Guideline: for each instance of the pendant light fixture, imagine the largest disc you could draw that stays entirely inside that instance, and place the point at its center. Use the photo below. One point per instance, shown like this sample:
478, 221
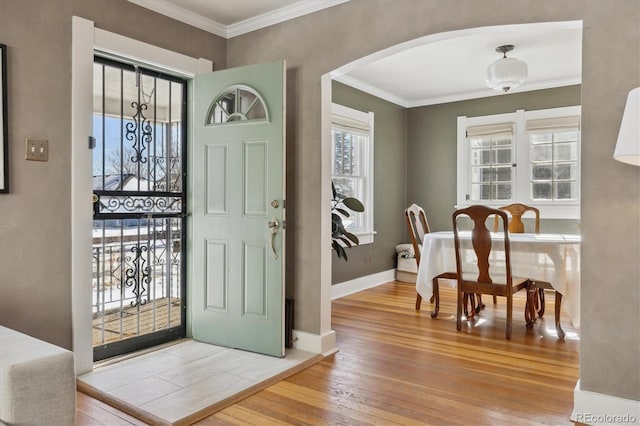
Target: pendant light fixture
506, 73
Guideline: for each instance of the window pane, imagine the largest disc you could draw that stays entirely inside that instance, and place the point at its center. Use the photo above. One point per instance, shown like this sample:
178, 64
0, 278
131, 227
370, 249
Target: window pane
503, 191
566, 171
566, 191
541, 152
480, 174
503, 156
540, 137
541, 190
480, 192
349, 187
570, 136
541, 171
565, 151
480, 156
502, 174
479, 142
346, 187
502, 141
346, 153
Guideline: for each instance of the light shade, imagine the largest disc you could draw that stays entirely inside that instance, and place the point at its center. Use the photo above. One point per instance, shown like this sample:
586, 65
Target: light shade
628, 145
506, 73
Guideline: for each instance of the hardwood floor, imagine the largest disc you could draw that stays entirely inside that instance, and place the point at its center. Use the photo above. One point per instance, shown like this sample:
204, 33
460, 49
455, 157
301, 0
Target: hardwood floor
398, 366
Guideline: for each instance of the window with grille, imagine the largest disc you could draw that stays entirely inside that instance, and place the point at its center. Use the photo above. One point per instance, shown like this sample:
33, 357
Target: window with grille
352, 165
491, 153
531, 157
553, 145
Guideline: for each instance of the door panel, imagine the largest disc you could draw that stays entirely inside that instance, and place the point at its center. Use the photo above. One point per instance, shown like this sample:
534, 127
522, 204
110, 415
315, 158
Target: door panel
238, 170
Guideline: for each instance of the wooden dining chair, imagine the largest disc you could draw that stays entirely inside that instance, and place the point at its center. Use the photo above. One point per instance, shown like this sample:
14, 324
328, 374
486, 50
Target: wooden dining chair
516, 225
418, 226
484, 283
517, 210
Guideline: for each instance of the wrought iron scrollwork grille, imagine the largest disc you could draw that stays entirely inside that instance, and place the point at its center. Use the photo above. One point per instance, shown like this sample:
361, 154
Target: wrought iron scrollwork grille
139, 207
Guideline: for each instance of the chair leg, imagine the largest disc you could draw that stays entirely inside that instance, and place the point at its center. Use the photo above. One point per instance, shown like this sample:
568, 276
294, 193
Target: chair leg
418, 301
480, 305
541, 300
495, 299
436, 297
469, 298
559, 329
509, 314
530, 308
459, 310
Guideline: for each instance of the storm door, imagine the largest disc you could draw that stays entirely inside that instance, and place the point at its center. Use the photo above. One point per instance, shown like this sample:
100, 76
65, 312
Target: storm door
139, 187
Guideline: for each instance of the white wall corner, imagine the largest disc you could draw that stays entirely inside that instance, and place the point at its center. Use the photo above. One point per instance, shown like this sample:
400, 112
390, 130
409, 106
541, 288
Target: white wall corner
324, 344
594, 408
353, 286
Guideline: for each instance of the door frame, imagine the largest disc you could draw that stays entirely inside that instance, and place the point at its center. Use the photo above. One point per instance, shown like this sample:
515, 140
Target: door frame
86, 39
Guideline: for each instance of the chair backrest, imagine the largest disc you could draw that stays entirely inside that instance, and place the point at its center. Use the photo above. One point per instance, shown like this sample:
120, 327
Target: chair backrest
418, 226
516, 210
481, 240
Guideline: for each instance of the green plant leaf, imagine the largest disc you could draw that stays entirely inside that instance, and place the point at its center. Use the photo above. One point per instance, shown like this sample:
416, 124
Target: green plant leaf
339, 250
343, 212
352, 237
346, 241
353, 204
333, 190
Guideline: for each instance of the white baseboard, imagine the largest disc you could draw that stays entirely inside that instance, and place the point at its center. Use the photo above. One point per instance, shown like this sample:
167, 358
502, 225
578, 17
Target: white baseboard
362, 283
594, 408
318, 344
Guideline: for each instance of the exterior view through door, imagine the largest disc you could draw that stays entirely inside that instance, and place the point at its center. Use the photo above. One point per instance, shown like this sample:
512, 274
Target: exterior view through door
237, 222
139, 190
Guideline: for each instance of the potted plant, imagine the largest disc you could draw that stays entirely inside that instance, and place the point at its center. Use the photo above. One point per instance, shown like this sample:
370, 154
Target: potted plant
340, 206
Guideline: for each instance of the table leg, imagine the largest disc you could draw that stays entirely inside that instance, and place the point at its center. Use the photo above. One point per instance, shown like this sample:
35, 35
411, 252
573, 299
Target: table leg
559, 329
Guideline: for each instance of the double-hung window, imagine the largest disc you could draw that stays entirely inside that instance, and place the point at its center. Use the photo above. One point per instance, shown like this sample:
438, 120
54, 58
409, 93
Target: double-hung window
530, 157
352, 165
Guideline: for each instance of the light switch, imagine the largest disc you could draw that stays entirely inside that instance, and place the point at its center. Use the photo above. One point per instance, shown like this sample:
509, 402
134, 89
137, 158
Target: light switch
37, 150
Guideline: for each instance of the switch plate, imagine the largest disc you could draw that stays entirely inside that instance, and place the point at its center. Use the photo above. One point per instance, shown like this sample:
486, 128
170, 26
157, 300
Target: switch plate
37, 150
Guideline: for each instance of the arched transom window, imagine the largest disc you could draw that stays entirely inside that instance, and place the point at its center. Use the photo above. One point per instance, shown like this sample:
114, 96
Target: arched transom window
237, 103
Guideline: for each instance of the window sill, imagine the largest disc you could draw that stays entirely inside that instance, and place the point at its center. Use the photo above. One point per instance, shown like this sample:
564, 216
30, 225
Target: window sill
363, 237
547, 211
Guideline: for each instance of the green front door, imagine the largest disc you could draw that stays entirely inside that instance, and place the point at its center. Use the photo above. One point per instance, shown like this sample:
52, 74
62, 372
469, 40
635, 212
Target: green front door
236, 226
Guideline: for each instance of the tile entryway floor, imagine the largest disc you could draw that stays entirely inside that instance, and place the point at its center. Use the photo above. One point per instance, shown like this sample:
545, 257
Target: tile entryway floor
182, 383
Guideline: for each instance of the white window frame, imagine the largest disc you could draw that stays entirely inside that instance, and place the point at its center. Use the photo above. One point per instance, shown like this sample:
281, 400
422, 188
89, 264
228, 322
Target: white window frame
364, 122
551, 209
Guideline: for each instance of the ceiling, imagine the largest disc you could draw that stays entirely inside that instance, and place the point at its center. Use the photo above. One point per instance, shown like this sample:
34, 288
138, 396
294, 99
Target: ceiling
435, 69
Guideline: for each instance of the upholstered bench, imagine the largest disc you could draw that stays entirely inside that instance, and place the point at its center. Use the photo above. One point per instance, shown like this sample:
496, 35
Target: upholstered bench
37, 381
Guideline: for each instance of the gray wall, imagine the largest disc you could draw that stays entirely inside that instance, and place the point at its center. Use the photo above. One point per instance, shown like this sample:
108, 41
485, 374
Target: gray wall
35, 287
35, 226
432, 141
318, 43
389, 186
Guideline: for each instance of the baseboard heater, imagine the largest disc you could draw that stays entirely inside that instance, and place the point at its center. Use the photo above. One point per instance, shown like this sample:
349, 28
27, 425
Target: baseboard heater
288, 323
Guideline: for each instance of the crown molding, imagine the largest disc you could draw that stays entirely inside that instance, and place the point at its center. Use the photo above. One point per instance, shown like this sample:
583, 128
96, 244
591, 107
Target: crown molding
372, 90
183, 15
456, 97
277, 16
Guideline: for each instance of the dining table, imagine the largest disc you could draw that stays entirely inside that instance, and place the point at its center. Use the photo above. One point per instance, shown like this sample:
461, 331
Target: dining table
554, 258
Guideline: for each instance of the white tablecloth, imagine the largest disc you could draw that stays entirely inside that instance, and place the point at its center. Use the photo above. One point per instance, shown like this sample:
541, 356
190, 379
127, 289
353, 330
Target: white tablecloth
544, 257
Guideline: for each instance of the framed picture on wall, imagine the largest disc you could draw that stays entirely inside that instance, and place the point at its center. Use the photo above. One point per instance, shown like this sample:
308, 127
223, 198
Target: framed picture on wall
4, 160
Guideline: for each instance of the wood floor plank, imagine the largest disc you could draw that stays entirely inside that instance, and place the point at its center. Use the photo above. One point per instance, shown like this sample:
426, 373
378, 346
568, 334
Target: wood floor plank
396, 365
